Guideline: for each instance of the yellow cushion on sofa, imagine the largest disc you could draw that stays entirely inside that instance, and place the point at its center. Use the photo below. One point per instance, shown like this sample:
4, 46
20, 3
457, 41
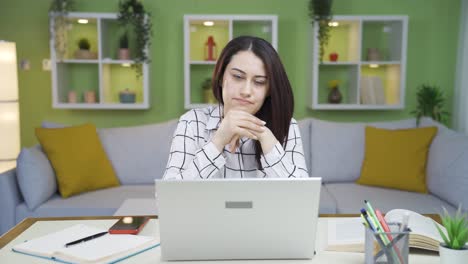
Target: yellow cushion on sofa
397, 158
78, 158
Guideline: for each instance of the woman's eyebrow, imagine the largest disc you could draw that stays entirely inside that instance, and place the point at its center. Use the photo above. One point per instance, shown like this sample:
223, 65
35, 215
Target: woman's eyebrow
239, 70
243, 72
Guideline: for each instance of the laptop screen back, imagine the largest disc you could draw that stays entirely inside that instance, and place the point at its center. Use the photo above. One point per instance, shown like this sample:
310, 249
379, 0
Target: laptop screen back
238, 218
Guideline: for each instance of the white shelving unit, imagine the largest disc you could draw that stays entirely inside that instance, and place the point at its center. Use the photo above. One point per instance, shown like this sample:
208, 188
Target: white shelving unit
224, 28
106, 75
377, 83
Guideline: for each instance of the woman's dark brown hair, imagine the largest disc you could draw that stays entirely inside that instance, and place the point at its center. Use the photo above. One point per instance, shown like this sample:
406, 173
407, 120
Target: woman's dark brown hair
277, 109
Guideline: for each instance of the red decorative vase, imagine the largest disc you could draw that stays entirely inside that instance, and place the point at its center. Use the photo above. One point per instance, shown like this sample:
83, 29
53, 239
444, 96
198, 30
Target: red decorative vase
210, 49
333, 56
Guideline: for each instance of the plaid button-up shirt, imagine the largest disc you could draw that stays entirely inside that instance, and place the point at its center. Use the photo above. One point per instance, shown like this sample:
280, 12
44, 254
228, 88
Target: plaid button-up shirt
193, 155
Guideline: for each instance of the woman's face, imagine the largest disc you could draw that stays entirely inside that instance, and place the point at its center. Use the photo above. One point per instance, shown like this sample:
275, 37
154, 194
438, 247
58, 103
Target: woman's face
245, 83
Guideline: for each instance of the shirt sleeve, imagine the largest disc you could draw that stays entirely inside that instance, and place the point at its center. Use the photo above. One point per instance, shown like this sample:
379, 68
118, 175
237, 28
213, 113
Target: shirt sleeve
288, 161
190, 157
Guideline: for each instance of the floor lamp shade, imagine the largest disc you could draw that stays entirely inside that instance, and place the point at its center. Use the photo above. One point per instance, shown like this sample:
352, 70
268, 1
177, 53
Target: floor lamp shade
9, 106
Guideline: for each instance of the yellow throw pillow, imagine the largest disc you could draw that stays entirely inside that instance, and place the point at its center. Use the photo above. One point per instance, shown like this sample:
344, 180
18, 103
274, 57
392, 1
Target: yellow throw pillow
78, 158
397, 158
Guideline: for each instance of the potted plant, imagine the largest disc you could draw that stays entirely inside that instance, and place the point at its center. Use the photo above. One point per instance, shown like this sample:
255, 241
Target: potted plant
58, 11
320, 12
133, 16
208, 92
454, 249
83, 51
431, 103
124, 52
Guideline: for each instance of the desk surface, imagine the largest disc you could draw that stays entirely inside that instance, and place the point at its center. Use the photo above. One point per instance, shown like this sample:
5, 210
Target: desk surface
34, 227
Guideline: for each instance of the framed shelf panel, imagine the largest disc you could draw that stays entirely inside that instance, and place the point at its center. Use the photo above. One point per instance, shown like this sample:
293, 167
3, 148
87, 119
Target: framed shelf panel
76, 32
347, 74
117, 78
370, 64
224, 28
344, 41
385, 36
385, 81
198, 74
102, 72
77, 77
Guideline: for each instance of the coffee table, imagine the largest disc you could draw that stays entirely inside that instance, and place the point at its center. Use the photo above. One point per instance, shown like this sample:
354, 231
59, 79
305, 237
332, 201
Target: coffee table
34, 227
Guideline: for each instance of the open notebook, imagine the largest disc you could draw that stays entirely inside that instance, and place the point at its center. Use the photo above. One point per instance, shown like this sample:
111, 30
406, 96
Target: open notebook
105, 249
347, 234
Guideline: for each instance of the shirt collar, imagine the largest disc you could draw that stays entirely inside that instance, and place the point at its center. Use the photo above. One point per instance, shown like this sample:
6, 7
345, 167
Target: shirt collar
214, 118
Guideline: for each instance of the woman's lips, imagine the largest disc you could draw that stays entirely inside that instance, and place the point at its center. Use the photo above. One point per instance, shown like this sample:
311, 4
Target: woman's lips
242, 101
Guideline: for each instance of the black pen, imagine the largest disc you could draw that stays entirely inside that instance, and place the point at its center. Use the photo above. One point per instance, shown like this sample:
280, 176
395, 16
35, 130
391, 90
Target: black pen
85, 239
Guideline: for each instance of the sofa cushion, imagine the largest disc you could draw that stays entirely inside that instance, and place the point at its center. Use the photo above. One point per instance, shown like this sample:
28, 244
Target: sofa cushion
95, 203
350, 199
78, 159
397, 158
447, 168
139, 154
337, 148
36, 177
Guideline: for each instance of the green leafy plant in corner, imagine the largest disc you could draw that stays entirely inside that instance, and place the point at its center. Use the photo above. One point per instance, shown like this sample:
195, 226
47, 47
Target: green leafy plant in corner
58, 11
133, 16
83, 44
431, 103
457, 229
320, 12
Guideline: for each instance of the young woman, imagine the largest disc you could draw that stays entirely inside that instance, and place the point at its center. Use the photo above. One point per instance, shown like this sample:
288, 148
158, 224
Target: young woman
251, 132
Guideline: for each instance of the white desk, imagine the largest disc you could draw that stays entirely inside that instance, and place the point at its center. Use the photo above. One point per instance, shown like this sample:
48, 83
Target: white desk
41, 228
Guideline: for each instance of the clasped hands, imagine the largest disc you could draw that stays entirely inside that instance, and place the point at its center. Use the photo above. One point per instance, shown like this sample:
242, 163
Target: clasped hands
237, 124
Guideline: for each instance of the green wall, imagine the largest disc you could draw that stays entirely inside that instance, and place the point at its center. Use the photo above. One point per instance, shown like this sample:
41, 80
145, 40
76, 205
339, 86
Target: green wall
431, 56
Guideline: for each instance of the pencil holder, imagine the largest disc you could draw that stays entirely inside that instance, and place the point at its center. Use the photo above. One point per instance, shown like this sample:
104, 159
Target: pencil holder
387, 247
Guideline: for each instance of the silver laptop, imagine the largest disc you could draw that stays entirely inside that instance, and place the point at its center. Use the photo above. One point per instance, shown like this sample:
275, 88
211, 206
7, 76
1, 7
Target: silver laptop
238, 218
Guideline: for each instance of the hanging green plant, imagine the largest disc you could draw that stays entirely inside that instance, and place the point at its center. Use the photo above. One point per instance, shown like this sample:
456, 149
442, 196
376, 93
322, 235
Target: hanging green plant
133, 16
58, 10
430, 102
320, 12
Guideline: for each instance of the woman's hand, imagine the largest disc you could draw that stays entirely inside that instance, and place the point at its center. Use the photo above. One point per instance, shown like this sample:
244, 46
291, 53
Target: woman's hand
237, 124
267, 139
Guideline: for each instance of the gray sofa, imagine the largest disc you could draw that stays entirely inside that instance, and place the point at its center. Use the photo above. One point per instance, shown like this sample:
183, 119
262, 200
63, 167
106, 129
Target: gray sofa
333, 150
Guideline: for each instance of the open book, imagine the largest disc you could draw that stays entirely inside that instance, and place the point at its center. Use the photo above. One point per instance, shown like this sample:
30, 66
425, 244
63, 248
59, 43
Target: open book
104, 249
348, 234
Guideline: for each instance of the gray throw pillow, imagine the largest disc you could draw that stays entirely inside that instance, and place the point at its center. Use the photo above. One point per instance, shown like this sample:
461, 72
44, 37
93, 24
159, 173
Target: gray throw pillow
337, 148
138, 153
447, 166
36, 177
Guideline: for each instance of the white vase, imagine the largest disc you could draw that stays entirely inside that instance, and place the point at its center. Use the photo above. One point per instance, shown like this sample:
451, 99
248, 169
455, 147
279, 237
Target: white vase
453, 256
